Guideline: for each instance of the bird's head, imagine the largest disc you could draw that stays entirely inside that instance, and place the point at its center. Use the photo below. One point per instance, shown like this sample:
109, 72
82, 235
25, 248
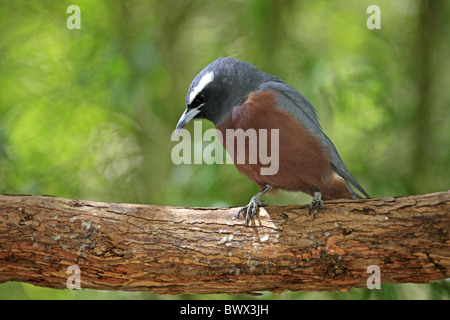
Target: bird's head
217, 89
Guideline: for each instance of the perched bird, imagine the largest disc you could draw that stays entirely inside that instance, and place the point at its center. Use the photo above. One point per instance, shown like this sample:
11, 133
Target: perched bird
236, 95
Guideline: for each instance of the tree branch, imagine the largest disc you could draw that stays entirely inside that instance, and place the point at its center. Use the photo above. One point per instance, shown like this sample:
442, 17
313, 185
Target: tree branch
171, 250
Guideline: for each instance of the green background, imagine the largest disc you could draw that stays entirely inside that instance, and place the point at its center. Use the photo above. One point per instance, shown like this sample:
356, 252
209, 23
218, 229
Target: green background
89, 113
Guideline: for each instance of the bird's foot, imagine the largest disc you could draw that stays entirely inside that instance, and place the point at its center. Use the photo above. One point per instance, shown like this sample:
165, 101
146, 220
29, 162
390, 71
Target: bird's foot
251, 209
316, 204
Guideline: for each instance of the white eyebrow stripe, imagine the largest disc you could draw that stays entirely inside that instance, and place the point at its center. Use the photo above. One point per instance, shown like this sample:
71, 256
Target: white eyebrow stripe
207, 78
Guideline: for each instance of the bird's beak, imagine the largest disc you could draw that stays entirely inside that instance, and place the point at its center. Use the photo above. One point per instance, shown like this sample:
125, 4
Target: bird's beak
187, 116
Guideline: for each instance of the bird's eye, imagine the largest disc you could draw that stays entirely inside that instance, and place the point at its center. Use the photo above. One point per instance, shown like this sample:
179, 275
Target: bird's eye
200, 98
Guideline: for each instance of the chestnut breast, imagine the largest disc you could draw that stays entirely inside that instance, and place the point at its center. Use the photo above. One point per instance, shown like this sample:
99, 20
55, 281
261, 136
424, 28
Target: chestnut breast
304, 162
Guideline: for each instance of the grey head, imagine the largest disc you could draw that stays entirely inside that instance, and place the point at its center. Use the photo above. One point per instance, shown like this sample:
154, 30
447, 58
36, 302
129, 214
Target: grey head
218, 88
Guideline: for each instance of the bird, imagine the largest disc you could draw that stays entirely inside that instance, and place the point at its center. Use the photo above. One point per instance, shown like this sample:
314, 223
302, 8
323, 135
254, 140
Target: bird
235, 94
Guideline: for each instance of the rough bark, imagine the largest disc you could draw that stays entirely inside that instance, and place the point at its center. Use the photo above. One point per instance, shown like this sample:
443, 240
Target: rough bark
172, 250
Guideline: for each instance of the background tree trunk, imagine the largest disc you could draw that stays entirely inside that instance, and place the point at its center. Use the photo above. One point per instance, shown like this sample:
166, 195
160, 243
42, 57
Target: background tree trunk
172, 250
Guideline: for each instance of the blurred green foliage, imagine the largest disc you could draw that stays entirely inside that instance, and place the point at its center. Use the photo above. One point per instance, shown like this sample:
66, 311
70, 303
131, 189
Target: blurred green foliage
89, 113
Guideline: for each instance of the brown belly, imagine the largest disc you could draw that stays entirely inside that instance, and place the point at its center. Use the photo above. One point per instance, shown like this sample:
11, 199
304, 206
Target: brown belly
303, 161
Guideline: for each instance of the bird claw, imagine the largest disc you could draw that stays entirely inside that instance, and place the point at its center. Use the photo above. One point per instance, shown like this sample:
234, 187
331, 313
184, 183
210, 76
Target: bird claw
316, 204
251, 209
255, 202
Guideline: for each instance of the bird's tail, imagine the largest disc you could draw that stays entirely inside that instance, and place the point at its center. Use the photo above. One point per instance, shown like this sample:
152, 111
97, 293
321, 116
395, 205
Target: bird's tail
356, 195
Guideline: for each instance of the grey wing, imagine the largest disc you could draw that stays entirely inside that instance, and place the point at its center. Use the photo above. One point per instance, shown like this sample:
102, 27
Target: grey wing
294, 102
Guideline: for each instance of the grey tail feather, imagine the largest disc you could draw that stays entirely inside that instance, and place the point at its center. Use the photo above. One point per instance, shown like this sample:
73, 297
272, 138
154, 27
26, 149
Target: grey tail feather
360, 189
349, 178
353, 193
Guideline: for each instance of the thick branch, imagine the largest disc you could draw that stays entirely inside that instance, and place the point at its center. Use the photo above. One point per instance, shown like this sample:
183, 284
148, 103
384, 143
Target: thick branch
171, 250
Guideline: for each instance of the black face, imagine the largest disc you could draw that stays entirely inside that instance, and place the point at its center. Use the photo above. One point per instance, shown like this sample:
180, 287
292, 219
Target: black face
200, 103
207, 103
198, 100
197, 108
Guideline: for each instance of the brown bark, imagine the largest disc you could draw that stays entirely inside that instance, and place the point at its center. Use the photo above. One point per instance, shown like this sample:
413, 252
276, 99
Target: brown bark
171, 250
